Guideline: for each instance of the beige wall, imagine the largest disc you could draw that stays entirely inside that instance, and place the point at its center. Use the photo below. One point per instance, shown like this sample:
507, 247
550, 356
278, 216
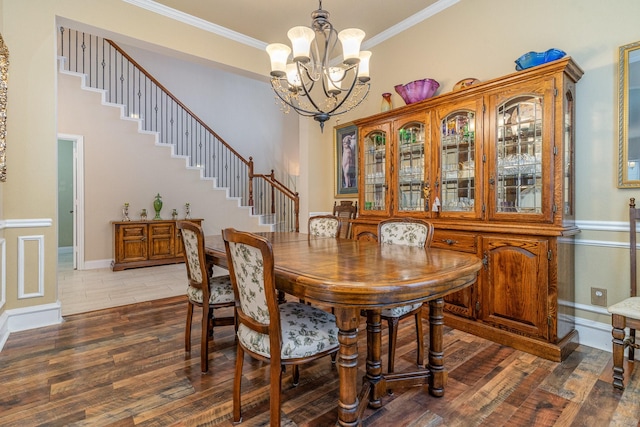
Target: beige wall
474, 38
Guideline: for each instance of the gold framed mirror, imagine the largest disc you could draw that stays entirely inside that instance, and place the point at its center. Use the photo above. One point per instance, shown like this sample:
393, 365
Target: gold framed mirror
629, 115
4, 71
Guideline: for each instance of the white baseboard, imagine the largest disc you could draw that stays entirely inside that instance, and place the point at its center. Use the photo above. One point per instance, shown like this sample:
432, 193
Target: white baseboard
4, 329
98, 264
594, 334
22, 319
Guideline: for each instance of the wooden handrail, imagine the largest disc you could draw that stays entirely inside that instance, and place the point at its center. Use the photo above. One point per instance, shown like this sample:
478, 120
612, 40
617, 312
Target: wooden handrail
276, 183
287, 192
176, 100
128, 83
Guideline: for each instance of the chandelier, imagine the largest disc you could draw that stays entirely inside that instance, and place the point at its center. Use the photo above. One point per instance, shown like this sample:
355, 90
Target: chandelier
314, 83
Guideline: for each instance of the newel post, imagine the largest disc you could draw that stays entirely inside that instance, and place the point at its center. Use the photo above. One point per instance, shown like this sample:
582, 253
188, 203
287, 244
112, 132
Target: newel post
251, 184
273, 193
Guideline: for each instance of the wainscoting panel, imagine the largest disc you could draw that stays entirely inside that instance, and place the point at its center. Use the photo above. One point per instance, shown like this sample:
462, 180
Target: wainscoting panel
30, 253
3, 272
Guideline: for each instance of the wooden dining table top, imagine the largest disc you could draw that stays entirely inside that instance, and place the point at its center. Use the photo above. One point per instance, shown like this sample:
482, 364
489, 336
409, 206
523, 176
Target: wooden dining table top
352, 275
364, 274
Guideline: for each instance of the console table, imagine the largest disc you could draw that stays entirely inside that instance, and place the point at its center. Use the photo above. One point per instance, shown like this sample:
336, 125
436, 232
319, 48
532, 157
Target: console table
147, 243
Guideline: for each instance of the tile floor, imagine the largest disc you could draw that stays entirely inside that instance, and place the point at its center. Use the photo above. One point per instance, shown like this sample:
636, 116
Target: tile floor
90, 290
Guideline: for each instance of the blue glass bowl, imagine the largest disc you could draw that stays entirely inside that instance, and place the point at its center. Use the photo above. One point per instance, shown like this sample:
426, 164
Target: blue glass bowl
532, 59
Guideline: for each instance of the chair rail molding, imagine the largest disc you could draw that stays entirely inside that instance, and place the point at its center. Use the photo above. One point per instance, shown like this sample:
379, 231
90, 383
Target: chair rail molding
26, 223
603, 225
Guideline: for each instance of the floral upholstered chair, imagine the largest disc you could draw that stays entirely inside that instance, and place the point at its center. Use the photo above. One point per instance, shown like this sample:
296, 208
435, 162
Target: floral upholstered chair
324, 226
203, 290
408, 232
281, 334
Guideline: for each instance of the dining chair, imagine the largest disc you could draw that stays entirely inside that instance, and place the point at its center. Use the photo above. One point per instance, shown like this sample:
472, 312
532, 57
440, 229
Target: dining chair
324, 226
408, 232
345, 211
626, 313
291, 333
203, 290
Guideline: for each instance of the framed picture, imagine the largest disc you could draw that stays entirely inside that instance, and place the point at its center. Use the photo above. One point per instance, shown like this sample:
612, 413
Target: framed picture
346, 160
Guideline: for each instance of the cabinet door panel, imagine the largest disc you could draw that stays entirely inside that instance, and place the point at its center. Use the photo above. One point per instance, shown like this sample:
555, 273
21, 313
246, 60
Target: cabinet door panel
520, 162
458, 156
411, 165
515, 285
462, 302
374, 178
162, 240
131, 243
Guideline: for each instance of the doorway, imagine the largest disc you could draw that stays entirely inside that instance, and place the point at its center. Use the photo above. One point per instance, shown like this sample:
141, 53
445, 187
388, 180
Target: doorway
71, 201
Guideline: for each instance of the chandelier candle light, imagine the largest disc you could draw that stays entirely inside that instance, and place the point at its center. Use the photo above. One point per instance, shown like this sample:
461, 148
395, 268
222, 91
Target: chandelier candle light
340, 86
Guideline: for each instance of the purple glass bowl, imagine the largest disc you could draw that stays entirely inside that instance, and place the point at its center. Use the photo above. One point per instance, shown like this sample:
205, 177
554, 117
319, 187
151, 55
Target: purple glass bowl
417, 90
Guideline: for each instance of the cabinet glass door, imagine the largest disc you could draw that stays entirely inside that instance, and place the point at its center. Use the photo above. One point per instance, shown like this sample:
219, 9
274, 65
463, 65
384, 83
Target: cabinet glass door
411, 161
458, 162
518, 178
569, 157
375, 171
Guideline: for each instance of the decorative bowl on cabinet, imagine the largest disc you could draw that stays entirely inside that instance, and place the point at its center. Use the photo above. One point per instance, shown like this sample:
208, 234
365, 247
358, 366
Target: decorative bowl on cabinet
531, 59
465, 83
417, 90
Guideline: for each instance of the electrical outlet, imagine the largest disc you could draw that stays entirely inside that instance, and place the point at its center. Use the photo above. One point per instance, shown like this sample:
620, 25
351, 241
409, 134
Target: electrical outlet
599, 297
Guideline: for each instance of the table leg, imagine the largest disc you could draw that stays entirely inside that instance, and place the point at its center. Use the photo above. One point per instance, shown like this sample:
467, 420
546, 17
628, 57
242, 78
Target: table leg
347, 320
438, 377
374, 357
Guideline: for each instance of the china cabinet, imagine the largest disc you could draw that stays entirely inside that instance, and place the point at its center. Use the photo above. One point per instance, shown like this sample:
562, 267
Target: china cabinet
147, 243
492, 167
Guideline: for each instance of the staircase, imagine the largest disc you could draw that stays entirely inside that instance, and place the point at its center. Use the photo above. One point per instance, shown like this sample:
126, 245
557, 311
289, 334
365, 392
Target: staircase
107, 67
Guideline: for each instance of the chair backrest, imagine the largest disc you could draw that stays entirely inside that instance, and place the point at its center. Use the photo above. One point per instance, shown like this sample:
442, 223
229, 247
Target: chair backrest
251, 267
405, 231
345, 211
324, 226
634, 216
194, 256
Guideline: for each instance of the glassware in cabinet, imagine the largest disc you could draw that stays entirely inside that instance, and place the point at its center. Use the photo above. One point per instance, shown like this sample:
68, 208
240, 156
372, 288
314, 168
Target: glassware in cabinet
519, 130
375, 170
457, 157
411, 185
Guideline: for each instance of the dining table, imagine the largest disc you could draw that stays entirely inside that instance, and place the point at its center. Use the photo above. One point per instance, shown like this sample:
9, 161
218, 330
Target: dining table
355, 277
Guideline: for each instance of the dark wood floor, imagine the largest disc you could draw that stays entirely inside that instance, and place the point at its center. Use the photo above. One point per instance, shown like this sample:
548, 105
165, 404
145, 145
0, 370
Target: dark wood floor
127, 366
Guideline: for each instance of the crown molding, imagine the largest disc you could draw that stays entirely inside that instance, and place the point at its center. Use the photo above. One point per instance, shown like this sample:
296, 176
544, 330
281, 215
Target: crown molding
414, 19
185, 18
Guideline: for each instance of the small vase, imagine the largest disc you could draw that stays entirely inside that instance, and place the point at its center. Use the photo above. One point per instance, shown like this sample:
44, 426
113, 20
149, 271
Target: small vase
174, 214
157, 205
386, 102
125, 212
143, 215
